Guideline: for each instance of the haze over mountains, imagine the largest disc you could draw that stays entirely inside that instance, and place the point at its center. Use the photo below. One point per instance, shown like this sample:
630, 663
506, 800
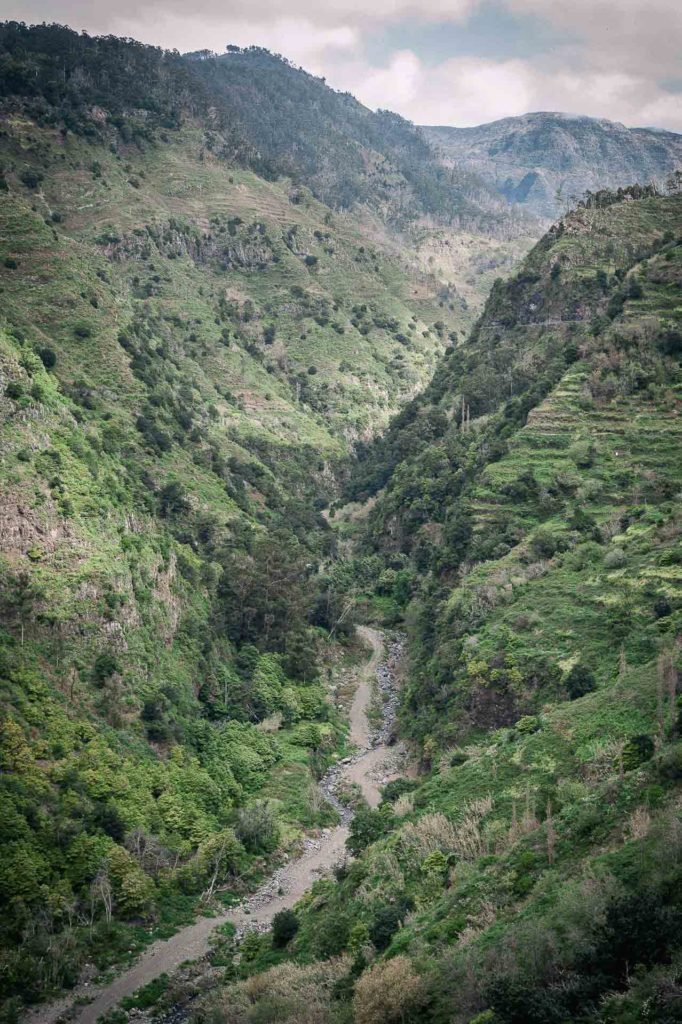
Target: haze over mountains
546, 161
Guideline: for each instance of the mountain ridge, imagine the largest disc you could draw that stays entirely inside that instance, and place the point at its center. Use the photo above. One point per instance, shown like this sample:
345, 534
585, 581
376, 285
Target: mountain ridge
544, 161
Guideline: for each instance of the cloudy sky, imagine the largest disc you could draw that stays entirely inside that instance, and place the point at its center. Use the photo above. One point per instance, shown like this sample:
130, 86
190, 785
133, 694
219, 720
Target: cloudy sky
458, 62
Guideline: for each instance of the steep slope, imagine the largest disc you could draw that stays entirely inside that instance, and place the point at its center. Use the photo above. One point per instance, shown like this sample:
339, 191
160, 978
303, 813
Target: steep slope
532, 873
186, 352
544, 162
347, 154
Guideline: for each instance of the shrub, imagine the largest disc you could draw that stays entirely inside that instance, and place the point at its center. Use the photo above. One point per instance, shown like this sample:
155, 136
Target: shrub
367, 826
615, 559
332, 934
670, 766
31, 179
106, 664
527, 725
14, 390
10, 263
48, 357
257, 828
579, 681
637, 750
396, 788
386, 923
386, 993
662, 608
285, 924
543, 544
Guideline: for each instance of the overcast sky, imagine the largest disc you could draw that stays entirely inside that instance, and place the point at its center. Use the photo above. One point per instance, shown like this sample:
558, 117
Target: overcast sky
459, 62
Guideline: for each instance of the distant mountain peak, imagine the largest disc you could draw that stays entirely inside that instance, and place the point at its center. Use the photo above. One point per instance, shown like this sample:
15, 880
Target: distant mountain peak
544, 159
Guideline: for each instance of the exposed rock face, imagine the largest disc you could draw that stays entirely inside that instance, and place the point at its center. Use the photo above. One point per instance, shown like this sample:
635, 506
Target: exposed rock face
545, 161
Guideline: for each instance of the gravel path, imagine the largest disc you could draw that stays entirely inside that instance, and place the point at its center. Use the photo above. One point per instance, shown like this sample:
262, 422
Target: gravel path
369, 768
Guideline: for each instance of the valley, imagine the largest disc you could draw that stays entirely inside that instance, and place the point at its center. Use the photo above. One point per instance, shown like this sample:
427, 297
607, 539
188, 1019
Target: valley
363, 769
328, 448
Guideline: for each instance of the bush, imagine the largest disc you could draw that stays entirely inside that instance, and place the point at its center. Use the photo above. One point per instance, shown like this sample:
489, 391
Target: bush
367, 826
10, 263
662, 608
386, 923
637, 751
615, 559
106, 664
386, 993
527, 725
543, 544
670, 766
31, 179
257, 828
579, 681
48, 357
396, 788
285, 924
332, 934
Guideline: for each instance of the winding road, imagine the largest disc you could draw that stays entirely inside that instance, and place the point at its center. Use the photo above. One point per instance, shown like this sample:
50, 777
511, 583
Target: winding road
193, 942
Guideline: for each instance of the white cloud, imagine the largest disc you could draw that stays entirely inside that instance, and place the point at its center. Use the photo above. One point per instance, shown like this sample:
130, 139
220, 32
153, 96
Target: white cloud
639, 36
468, 91
298, 39
99, 14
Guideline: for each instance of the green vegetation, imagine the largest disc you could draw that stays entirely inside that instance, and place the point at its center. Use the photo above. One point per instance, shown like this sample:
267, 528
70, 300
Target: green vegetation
191, 345
166, 452
528, 502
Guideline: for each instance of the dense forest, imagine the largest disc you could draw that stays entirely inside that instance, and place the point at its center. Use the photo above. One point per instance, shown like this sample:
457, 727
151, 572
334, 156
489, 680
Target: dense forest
237, 420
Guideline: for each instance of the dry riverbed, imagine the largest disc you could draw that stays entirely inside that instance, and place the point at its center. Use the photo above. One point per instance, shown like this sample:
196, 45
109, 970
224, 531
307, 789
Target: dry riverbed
374, 764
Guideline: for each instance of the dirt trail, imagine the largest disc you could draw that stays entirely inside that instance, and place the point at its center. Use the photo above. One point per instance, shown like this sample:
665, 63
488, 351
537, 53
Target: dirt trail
293, 879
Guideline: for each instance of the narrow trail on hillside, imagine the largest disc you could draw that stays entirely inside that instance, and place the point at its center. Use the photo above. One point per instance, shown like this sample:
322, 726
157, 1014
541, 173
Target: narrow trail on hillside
369, 769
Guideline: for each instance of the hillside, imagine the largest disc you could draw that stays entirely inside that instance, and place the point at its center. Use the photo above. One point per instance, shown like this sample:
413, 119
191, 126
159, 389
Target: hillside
531, 872
187, 351
243, 408
348, 155
545, 162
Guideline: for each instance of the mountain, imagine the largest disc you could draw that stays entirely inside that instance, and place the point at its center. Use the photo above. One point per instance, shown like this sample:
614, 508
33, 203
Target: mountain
214, 332
524, 524
188, 350
348, 155
545, 162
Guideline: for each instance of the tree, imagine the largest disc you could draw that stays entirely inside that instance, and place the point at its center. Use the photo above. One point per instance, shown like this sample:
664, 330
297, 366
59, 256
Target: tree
19, 599
133, 891
285, 924
100, 893
579, 681
257, 828
264, 596
219, 857
367, 826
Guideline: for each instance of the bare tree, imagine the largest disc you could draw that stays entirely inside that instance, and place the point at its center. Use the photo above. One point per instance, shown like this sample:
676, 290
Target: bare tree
100, 892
